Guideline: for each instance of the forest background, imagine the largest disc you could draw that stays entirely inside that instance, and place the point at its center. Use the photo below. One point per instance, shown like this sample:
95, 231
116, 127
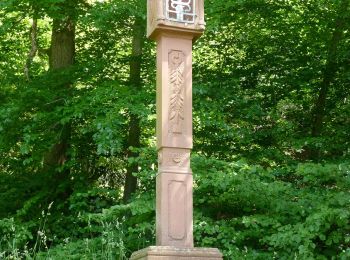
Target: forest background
271, 156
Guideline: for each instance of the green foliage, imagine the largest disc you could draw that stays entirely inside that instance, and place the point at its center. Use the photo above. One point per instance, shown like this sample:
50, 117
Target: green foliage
109, 245
245, 210
259, 68
248, 211
114, 233
265, 186
13, 237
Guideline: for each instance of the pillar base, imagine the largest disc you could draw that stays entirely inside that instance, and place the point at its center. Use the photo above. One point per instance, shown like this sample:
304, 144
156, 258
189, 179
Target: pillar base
175, 253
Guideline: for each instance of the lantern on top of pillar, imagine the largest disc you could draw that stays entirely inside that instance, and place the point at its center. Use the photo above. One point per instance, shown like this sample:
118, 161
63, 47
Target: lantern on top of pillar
175, 15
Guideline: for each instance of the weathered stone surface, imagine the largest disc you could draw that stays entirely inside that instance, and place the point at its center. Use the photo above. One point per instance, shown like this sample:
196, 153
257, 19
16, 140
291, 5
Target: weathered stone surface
174, 210
174, 253
174, 91
174, 141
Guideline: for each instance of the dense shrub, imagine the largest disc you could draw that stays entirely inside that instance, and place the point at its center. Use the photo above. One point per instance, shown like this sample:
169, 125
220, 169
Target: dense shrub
246, 211
298, 212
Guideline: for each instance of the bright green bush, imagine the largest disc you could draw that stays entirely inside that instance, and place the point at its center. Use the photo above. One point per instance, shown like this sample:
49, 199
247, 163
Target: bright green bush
248, 211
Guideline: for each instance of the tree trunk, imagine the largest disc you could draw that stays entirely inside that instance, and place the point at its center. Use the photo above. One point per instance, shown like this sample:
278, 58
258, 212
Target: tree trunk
134, 123
62, 48
329, 71
329, 74
61, 56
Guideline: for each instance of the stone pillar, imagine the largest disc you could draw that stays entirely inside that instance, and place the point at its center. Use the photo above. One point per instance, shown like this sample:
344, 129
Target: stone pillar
174, 140
175, 25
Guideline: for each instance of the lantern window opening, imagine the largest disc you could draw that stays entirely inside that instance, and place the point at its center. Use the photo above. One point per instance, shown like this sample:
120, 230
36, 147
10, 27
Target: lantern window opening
182, 11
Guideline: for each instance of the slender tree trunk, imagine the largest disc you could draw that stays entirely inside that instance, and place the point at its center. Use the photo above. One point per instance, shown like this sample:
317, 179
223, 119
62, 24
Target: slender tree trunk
329, 73
61, 56
134, 123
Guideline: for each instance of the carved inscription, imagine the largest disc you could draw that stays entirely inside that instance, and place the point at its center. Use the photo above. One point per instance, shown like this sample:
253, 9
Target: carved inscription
177, 96
177, 212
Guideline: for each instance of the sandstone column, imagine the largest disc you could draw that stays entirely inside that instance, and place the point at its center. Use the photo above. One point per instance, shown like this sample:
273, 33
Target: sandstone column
174, 140
175, 25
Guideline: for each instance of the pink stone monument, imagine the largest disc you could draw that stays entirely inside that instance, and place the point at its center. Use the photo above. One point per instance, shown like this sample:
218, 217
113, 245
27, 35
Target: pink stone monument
175, 25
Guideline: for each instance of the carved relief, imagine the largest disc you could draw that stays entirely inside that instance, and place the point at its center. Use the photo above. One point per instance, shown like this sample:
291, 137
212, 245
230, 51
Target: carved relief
177, 96
174, 158
177, 159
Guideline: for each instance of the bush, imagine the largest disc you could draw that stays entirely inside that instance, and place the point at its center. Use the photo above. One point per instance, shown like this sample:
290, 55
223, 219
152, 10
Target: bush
247, 211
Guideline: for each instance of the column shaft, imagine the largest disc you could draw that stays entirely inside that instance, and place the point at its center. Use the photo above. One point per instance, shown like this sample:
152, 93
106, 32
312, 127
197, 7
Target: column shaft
174, 141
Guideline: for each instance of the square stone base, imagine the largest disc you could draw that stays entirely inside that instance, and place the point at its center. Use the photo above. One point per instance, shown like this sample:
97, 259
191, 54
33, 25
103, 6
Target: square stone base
175, 253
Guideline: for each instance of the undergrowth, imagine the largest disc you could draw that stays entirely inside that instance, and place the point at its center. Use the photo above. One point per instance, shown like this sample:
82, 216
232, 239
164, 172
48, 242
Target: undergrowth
247, 211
